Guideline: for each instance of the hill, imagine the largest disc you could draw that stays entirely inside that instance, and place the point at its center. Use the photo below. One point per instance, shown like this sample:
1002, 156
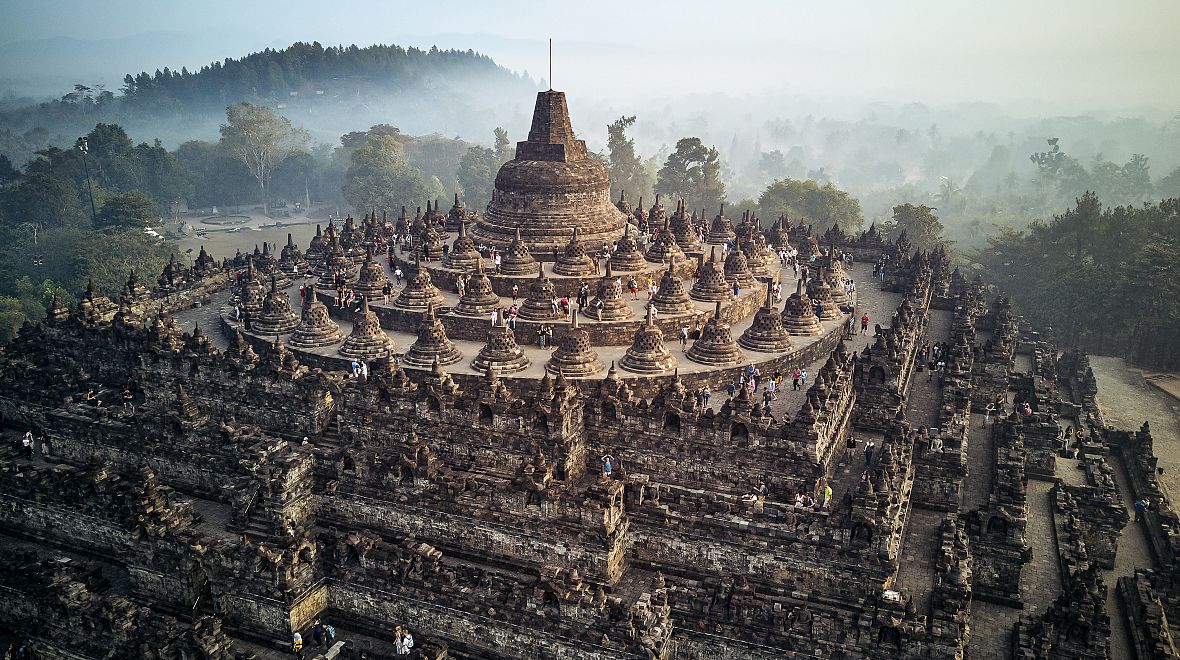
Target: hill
326, 90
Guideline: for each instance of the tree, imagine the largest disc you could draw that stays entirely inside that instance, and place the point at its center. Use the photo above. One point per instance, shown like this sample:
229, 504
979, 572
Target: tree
692, 172
626, 168
379, 177
131, 210
42, 200
8, 173
1169, 186
107, 257
503, 146
477, 175
807, 201
259, 138
772, 164
919, 223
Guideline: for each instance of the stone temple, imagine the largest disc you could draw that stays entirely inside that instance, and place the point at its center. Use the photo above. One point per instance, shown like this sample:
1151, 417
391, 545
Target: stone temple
208, 480
552, 187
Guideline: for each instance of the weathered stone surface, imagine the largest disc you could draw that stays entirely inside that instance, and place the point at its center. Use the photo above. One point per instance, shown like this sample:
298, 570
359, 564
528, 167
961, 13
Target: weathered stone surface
766, 334
367, 341
371, 280
551, 186
433, 346
276, 316
670, 297
478, 299
500, 354
316, 328
798, 315
716, 346
574, 356
419, 293
608, 303
647, 354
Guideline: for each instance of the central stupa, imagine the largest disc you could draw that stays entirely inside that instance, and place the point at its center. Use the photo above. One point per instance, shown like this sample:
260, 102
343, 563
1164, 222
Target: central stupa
550, 188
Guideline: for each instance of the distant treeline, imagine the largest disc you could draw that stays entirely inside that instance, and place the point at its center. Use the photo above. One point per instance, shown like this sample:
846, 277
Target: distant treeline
330, 88
1104, 279
302, 68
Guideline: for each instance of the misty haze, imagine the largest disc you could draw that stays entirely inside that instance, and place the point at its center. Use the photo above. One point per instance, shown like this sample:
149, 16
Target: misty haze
589, 330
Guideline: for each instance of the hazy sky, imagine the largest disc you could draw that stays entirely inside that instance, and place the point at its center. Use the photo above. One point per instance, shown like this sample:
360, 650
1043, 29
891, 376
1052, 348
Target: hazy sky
1093, 54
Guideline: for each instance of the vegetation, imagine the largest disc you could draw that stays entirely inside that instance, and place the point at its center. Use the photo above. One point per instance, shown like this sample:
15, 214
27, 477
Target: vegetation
380, 178
809, 202
260, 139
1104, 279
627, 171
693, 173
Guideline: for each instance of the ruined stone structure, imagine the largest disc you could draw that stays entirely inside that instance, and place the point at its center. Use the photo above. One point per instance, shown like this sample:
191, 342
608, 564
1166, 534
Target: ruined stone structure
503, 501
552, 186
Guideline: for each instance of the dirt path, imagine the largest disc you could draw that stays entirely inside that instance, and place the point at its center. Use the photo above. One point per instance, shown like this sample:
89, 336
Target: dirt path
1127, 400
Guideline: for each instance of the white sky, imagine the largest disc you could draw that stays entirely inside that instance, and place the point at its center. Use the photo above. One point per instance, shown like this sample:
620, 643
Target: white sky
1095, 54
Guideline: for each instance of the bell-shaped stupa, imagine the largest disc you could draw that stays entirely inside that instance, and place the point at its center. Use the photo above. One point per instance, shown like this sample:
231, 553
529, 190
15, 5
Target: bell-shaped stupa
432, 346
716, 347
574, 356
647, 354
367, 341
501, 353
766, 333
552, 185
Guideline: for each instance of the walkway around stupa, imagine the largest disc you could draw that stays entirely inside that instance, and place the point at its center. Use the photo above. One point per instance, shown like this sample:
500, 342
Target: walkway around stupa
806, 351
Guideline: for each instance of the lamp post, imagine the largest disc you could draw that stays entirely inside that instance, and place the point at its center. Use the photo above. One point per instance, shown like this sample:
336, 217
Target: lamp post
83, 145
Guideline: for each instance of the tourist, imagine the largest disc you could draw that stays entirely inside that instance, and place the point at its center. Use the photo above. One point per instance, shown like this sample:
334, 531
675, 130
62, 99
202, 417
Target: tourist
355, 368
515, 293
1140, 508
512, 312
633, 287
397, 275
329, 635
827, 496
26, 445
737, 290
495, 316
850, 445
607, 462
297, 646
583, 295
987, 413
386, 290
92, 398
683, 337
403, 641
317, 634
763, 491
655, 311
497, 262
598, 309
864, 324
773, 387
731, 389
541, 336
796, 377
705, 394
869, 453
803, 377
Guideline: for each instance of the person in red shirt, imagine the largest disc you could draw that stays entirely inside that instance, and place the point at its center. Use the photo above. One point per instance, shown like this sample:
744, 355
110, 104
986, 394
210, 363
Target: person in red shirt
864, 324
